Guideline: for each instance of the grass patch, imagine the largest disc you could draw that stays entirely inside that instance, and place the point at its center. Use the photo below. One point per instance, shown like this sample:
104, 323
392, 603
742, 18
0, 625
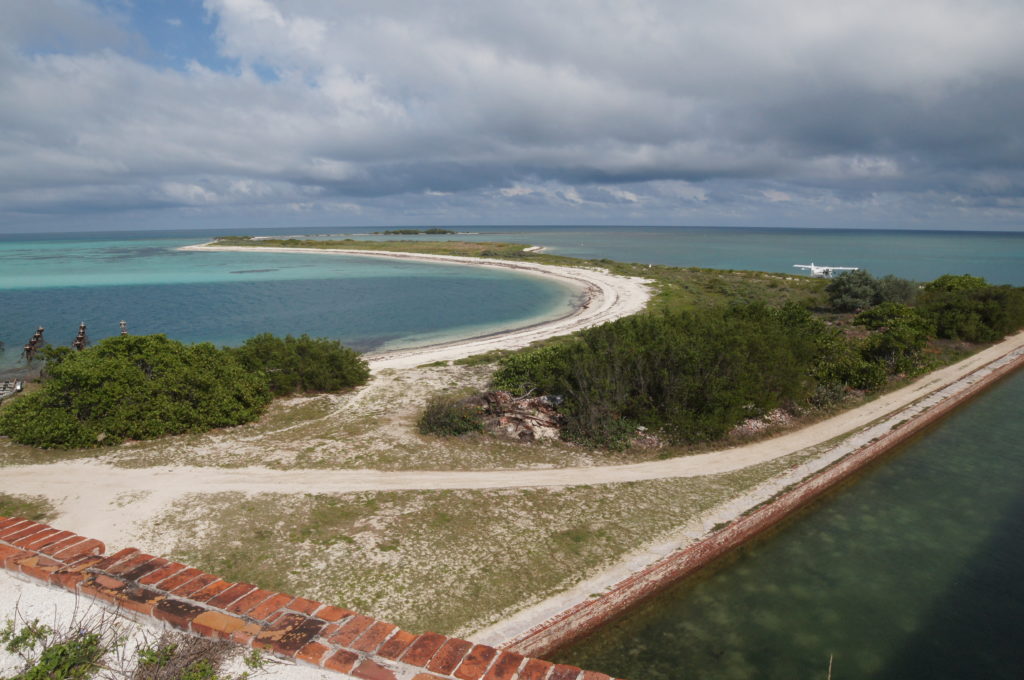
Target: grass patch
35, 508
449, 561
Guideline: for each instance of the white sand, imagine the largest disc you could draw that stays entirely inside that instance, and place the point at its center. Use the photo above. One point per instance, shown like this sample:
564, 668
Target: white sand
606, 297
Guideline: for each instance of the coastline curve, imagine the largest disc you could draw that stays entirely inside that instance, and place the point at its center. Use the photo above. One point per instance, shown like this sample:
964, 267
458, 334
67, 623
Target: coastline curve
606, 297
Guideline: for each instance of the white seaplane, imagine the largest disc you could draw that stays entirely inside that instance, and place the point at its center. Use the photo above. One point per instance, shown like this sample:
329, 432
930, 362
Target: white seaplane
821, 271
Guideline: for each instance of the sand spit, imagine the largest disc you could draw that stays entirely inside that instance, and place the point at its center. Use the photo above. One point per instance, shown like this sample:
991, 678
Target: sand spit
604, 297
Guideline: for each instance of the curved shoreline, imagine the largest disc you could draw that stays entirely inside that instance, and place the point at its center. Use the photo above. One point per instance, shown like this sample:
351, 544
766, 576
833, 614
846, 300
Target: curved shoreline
606, 297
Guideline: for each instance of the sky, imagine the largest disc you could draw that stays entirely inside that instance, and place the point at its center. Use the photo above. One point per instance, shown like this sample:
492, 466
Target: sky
173, 114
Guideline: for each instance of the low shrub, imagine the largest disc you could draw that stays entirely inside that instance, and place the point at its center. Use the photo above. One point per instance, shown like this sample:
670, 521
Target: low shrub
449, 416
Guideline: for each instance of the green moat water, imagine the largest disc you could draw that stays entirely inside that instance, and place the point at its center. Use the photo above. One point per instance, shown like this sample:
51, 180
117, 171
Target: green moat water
913, 571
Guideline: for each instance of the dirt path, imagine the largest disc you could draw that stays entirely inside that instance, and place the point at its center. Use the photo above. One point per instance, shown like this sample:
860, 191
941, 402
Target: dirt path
606, 297
93, 497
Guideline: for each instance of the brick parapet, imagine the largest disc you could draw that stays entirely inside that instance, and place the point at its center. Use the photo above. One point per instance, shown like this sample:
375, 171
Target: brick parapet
157, 590
582, 618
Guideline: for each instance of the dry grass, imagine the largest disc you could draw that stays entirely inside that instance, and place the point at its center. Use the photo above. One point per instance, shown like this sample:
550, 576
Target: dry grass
449, 561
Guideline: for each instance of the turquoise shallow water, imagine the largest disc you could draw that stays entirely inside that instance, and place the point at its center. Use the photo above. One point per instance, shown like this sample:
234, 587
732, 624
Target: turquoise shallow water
912, 572
368, 303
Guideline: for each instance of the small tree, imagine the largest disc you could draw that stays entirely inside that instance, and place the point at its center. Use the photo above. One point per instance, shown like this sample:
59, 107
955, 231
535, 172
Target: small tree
853, 291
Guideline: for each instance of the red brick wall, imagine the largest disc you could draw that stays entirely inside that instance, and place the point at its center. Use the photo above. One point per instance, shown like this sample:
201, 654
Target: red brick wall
181, 597
575, 622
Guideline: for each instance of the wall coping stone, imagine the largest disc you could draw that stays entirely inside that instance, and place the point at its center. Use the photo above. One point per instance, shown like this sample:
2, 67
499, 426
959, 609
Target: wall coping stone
157, 591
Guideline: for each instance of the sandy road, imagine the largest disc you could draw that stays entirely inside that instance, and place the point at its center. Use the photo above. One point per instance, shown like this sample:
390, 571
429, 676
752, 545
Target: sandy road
87, 492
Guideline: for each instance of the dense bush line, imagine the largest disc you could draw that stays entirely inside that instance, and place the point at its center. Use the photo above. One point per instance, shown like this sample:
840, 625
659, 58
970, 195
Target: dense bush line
302, 364
958, 307
693, 375
135, 387
147, 386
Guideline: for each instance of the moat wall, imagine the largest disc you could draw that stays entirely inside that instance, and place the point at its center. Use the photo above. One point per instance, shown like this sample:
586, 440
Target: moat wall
577, 621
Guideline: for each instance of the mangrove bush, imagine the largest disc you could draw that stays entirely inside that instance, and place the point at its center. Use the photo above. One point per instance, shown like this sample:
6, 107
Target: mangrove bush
691, 376
302, 364
135, 387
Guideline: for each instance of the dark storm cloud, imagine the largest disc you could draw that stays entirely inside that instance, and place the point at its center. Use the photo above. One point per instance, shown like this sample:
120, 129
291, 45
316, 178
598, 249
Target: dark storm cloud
401, 110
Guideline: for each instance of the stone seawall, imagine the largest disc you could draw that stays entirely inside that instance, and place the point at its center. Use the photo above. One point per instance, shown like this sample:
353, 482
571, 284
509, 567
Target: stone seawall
584, 617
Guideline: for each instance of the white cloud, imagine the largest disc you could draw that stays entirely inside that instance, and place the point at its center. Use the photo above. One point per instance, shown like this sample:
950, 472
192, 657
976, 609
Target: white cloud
638, 109
776, 196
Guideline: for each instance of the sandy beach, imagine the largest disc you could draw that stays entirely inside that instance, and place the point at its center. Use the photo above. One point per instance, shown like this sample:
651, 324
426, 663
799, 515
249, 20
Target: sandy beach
604, 297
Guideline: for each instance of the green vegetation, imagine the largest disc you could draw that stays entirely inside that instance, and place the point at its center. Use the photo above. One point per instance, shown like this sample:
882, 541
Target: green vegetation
35, 508
70, 656
135, 387
694, 372
302, 364
82, 647
852, 291
415, 232
969, 308
460, 248
448, 415
690, 376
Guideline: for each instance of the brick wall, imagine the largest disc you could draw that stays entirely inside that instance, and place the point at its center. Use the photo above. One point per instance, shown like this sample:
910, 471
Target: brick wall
181, 597
582, 618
